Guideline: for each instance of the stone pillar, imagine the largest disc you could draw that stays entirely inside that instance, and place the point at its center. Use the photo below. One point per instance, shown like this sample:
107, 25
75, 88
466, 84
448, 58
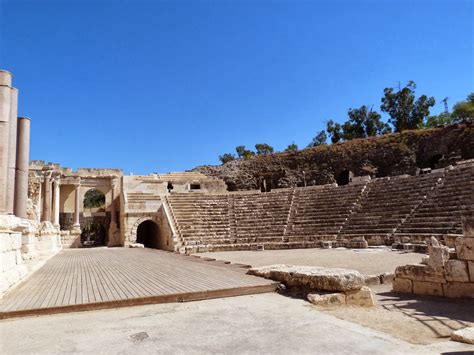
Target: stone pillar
5, 103
113, 221
22, 167
77, 207
56, 199
12, 150
47, 197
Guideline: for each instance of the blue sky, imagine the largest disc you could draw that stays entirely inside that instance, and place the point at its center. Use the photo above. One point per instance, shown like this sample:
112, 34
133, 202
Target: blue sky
168, 85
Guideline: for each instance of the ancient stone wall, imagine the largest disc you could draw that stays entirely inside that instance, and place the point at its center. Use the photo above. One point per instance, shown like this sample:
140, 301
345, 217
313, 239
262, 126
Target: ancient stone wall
445, 272
389, 155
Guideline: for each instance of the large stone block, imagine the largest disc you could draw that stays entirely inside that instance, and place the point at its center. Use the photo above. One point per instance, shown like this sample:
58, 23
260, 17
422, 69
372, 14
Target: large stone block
438, 256
427, 288
456, 270
465, 248
402, 285
468, 226
420, 272
327, 299
465, 335
363, 297
312, 277
459, 289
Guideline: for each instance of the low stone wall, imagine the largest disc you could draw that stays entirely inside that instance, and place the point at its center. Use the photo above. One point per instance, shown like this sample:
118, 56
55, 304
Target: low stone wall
12, 268
445, 272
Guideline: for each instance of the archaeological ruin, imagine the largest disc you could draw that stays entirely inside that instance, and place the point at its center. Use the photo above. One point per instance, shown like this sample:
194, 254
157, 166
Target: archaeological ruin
407, 196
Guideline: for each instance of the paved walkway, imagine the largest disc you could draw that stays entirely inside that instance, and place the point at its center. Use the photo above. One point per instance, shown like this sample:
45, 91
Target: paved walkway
256, 324
84, 279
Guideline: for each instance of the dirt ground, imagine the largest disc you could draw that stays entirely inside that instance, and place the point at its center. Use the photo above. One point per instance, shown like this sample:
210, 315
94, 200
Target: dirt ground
412, 318
372, 261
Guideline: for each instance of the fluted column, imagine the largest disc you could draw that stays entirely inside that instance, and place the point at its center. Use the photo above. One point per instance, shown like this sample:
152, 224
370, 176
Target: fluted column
5, 104
77, 206
22, 167
47, 197
56, 200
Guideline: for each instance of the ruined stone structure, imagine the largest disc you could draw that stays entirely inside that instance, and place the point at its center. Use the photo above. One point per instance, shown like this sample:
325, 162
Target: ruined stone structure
447, 272
384, 156
43, 205
15, 229
399, 210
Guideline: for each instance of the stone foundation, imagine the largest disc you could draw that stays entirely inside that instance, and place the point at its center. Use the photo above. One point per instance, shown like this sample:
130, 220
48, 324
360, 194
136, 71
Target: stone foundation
12, 268
445, 272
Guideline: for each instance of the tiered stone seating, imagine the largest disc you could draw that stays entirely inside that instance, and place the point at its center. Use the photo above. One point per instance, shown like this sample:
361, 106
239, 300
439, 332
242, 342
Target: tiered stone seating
385, 204
201, 220
261, 218
441, 213
319, 212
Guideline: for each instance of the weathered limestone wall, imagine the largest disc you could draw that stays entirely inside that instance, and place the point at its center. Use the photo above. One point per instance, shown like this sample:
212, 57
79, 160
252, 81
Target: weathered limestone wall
12, 268
445, 272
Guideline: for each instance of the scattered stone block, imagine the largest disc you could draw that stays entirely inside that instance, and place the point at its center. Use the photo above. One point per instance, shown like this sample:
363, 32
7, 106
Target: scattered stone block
459, 289
465, 248
312, 277
372, 280
327, 299
402, 285
456, 270
465, 335
363, 297
427, 288
136, 245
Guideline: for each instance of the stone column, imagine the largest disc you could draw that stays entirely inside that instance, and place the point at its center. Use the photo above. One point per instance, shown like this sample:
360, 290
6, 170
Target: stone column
47, 197
113, 221
77, 207
22, 167
12, 150
5, 103
56, 200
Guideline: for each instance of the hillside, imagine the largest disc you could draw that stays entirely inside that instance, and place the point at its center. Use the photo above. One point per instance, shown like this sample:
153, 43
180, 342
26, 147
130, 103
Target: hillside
388, 155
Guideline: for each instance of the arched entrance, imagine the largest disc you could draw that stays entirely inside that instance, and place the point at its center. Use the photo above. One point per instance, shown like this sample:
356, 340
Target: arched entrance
148, 234
94, 219
344, 177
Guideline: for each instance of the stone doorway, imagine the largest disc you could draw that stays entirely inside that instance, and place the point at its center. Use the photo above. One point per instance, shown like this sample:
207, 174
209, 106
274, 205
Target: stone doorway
148, 234
94, 222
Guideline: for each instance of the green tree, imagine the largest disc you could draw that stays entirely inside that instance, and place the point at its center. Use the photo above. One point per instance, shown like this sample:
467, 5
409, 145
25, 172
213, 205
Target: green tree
364, 122
93, 199
227, 157
319, 139
263, 148
243, 153
334, 130
464, 109
443, 119
292, 147
406, 112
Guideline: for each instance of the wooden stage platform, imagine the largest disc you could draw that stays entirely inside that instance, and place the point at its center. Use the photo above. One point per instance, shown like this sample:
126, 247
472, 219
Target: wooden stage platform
86, 279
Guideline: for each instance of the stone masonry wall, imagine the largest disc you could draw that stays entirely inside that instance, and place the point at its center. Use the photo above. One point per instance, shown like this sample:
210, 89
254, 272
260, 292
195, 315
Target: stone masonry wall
12, 268
445, 272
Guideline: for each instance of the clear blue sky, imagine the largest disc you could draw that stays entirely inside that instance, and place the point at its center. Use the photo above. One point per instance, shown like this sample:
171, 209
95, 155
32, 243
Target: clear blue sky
169, 85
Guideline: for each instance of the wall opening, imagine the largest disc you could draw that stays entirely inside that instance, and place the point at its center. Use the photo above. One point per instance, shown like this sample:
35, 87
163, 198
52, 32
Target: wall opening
195, 186
94, 221
433, 163
170, 186
344, 178
148, 234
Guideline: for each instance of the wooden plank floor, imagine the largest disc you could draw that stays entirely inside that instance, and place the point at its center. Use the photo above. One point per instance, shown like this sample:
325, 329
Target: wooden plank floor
84, 279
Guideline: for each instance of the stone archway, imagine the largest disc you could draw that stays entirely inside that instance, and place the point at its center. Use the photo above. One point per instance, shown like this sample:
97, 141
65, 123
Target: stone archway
94, 222
148, 234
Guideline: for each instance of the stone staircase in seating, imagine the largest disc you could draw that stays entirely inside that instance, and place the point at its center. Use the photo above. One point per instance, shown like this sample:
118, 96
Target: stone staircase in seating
440, 214
386, 203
